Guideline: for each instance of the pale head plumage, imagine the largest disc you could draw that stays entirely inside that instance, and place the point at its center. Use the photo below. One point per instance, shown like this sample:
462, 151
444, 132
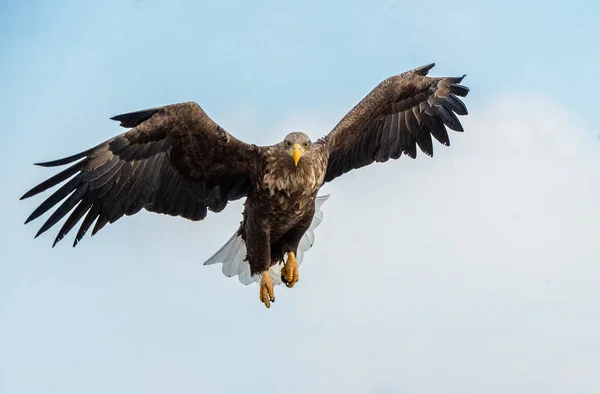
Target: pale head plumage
294, 165
296, 137
296, 144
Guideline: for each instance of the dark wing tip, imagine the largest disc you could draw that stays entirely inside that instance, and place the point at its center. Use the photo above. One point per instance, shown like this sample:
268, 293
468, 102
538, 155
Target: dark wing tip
459, 90
63, 161
58, 239
459, 79
132, 119
32, 192
423, 70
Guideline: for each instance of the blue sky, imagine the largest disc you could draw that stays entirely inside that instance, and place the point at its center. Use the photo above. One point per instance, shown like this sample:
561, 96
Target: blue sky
476, 269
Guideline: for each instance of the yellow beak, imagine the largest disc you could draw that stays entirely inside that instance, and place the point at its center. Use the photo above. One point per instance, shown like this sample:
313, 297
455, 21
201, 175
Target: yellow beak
297, 152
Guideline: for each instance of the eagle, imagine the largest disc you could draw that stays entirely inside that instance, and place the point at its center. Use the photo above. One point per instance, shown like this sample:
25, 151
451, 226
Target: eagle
176, 160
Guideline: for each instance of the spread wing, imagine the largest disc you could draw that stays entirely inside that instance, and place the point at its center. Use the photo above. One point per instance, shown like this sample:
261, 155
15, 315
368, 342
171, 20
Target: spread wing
174, 160
401, 113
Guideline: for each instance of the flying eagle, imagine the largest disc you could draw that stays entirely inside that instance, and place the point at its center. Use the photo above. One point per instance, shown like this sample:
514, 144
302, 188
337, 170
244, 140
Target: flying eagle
175, 160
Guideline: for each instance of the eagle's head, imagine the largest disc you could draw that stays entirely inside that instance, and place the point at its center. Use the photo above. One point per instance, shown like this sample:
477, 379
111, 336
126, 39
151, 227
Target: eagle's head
296, 145
294, 165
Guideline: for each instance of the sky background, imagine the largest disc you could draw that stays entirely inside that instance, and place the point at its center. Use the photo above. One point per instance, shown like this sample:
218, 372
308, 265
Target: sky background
473, 272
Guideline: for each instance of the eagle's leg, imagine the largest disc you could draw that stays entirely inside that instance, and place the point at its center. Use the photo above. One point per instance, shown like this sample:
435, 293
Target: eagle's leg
290, 242
258, 255
289, 272
267, 291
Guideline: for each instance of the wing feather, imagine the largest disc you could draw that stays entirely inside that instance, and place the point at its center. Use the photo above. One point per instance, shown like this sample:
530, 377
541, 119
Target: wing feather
402, 113
174, 160
89, 219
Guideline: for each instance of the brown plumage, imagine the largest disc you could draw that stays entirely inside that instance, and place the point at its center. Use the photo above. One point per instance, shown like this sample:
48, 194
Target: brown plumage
175, 160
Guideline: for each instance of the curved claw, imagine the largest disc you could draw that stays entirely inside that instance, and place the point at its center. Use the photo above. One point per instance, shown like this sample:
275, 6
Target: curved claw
289, 272
267, 291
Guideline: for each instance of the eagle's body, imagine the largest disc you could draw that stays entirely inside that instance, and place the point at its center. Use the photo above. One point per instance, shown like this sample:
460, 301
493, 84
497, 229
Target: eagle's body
283, 199
175, 160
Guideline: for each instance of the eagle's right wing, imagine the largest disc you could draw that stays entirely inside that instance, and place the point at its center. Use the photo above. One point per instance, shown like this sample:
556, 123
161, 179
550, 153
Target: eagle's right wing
175, 160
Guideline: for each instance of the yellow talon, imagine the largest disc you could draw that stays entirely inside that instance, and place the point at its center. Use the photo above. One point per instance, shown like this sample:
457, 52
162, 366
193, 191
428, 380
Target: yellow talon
289, 272
267, 292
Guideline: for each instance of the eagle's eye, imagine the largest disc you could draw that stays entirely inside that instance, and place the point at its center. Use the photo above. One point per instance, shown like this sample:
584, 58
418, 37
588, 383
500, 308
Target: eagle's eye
287, 144
305, 145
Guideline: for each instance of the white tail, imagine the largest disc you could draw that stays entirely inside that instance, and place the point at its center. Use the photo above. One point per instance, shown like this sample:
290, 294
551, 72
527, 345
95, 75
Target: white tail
233, 253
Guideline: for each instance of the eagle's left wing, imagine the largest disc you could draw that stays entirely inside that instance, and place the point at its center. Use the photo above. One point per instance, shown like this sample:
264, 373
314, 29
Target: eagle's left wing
402, 112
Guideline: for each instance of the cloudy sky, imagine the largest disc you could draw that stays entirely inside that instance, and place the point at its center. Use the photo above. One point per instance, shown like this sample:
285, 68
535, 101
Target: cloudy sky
471, 272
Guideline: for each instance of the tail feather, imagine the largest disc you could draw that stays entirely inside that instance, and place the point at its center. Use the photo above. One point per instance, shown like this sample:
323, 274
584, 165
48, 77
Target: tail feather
235, 255
232, 255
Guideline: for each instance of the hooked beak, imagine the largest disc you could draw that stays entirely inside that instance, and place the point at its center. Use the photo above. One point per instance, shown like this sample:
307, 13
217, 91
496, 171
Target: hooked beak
297, 152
